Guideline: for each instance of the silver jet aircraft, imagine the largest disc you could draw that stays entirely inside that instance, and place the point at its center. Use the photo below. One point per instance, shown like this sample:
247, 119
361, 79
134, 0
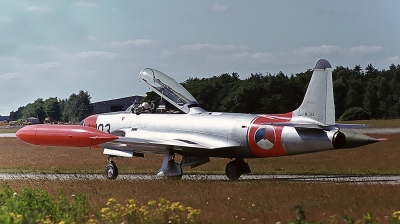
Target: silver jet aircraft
198, 134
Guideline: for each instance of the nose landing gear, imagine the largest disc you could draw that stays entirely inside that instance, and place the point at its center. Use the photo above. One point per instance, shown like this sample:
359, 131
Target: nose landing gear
111, 171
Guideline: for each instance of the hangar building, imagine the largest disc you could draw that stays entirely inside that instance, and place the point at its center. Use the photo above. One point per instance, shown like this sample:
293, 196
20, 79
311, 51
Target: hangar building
113, 105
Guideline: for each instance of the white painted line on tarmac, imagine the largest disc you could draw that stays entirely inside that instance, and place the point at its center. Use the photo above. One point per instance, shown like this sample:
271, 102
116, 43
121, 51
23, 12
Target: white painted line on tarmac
7, 135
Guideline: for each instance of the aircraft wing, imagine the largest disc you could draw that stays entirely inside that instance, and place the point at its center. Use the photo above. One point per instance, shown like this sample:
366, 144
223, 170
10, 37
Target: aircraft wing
156, 142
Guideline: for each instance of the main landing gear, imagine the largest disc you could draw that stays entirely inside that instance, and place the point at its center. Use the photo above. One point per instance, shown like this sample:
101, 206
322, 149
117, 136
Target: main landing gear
235, 168
169, 167
111, 171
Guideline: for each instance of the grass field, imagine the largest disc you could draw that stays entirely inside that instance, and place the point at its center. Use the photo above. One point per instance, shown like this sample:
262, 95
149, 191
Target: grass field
394, 123
379, 158
9, 129
261, 201
231, 202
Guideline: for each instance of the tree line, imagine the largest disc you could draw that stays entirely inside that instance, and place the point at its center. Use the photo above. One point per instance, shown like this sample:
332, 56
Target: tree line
359, 93
72, 109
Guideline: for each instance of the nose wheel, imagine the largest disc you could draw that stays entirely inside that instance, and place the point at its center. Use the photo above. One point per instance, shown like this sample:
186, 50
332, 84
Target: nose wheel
111, 171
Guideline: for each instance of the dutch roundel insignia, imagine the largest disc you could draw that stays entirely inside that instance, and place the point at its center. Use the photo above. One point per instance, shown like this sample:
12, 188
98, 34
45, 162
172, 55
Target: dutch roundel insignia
265, 137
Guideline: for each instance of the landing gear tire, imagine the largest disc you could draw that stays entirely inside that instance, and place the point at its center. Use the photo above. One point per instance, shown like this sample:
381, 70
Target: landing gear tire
232, 170
235, 168
111, 171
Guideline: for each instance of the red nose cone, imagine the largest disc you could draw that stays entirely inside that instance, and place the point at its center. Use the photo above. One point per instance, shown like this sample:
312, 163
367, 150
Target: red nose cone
63, 135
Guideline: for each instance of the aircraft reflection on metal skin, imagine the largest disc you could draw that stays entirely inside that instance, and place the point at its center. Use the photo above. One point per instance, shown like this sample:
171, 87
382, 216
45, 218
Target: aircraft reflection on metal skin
198, 135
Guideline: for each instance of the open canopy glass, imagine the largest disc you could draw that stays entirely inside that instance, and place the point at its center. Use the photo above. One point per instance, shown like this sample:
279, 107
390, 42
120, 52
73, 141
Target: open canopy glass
168, 89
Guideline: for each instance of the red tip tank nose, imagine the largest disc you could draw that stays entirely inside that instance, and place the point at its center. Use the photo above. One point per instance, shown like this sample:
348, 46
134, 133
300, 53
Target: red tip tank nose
63, 135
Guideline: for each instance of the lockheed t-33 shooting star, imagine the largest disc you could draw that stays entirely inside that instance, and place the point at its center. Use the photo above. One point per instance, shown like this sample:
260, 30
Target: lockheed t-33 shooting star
198, 134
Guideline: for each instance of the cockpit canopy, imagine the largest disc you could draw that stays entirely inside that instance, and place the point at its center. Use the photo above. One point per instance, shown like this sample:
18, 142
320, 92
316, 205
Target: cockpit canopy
170, 90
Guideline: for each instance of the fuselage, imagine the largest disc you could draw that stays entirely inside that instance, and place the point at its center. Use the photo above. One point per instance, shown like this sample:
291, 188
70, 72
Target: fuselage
229, 135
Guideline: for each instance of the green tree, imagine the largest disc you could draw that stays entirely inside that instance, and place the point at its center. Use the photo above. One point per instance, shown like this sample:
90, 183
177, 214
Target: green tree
34, 110
340, 90
15, 115
384, 95
376, 91
353, 98
355, 113
242, 98
75, 108
151, 96
51, 108
371, 100
358, 70
200, 90
210, 92
62, 103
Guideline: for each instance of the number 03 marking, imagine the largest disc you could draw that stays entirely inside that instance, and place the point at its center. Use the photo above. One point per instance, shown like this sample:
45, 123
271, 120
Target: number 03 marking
101, 127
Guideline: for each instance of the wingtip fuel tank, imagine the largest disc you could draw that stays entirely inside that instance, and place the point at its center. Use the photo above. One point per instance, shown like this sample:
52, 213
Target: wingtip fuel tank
63, 135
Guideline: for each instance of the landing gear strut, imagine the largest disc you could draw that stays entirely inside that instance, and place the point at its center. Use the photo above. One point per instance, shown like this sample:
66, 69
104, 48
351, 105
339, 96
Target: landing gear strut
111, 171
169, 167
235, 168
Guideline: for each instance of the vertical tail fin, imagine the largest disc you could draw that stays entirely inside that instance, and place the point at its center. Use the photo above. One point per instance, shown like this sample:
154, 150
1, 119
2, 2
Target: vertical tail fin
318, 103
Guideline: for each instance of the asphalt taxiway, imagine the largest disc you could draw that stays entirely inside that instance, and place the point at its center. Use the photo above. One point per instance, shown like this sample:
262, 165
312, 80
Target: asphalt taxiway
142, 177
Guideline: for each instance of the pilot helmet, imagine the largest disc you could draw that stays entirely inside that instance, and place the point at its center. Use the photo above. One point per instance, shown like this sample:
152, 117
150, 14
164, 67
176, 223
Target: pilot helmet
146, 105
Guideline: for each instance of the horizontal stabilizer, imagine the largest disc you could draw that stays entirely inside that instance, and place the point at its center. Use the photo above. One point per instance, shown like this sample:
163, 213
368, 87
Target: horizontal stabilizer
316, 125
301, 122
298, 125
351, 126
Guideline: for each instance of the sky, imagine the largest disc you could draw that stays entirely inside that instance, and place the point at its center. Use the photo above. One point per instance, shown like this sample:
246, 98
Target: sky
56, 48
